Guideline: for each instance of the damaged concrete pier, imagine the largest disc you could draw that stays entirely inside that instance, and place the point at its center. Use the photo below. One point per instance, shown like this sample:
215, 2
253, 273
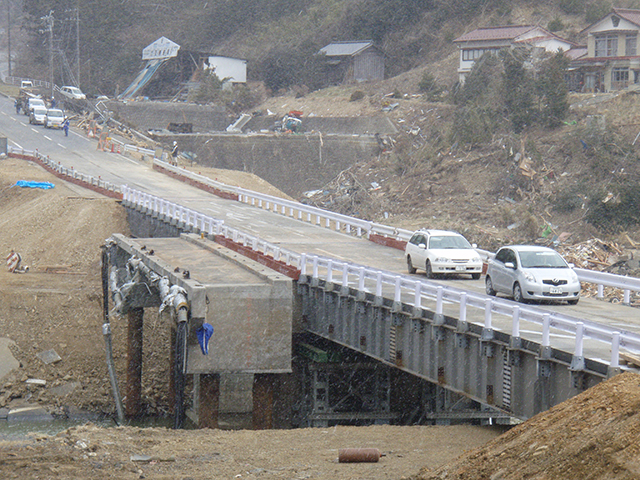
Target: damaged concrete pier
249, 307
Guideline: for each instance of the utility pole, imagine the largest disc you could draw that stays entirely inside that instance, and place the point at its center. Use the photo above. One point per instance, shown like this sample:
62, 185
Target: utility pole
48, 22
9, 35
78, 42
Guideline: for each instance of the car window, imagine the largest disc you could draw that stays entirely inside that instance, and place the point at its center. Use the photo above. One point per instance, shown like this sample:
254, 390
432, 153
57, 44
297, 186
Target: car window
448, 242
542, 259
415, 239
511, 257
502, 254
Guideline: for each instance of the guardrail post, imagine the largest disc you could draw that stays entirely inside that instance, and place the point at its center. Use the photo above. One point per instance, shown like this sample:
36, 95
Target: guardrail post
488, 348
462, 339
344, 288
361, 292
303, 264
545, 346
627, 298
378, 301
438, 317
314, 275
577, 361
397, 295
487, 329
614, 366
600, 293
417, 301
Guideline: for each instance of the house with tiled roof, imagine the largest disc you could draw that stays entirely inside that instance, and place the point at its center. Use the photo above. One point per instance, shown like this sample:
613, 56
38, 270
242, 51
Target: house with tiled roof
474, 44
611, 61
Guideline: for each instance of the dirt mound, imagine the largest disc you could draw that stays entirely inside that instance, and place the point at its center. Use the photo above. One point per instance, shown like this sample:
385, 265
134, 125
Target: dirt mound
591, 436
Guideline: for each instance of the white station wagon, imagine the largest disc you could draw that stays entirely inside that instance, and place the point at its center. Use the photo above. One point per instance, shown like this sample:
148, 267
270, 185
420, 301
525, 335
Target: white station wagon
442, 252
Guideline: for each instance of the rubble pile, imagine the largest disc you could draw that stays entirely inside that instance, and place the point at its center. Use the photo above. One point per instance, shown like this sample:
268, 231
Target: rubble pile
610, 257
346, 194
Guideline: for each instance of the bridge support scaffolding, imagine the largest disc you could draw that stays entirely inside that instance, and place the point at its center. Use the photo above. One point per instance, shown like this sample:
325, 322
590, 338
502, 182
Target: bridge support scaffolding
511, 374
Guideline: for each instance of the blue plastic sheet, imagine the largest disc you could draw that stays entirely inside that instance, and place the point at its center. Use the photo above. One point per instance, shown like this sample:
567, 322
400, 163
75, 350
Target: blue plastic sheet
204, 334
29, 184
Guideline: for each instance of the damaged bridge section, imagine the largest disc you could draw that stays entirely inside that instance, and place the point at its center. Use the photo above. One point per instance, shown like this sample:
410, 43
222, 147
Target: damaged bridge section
231, 321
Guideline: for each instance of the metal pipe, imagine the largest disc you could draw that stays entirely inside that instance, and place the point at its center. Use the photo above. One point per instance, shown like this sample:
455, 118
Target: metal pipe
106, 332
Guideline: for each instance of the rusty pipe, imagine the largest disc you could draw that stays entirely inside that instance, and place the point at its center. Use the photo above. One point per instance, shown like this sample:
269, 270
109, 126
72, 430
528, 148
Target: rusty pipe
353, 455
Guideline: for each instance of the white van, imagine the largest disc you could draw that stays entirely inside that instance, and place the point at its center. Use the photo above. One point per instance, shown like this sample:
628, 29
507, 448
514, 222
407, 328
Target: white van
32, 102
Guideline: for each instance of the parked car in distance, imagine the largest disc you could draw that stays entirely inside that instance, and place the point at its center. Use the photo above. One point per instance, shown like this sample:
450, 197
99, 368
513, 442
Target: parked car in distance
442, 252
32, 102
72, 92
54, 118
527, 272
37, 115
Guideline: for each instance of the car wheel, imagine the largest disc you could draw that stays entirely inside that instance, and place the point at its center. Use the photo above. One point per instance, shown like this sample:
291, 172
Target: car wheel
428, 269
517, 294
475, 276
573, 302
488, 287
410, 266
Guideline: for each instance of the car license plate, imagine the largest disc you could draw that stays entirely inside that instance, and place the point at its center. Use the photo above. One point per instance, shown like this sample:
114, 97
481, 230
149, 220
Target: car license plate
555, 290
460, 268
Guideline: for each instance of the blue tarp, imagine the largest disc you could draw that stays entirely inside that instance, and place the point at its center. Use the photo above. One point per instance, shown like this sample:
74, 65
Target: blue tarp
29, 184
204, 334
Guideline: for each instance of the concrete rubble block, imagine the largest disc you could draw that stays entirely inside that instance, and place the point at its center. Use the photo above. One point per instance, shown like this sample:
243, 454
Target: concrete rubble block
31, 413
49, 356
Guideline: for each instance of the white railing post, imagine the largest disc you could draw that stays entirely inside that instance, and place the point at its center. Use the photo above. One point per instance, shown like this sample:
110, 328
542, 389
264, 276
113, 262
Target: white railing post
579, 339
615, 350
546, 334
600, 293
417, 300
330, 271
515, 326
315, 266
361, 279
303, 264
397, 295
345, 274
463, 307
379, 284
626, 299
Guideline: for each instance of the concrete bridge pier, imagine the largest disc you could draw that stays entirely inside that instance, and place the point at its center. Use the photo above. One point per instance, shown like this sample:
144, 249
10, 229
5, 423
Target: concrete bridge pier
133, 390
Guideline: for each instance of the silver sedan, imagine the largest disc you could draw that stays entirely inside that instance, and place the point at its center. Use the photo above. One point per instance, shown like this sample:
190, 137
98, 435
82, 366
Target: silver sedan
532, 273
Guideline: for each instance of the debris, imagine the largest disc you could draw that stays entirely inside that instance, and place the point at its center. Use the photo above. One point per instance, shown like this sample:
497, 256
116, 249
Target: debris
36, 381
49, 356
14, 263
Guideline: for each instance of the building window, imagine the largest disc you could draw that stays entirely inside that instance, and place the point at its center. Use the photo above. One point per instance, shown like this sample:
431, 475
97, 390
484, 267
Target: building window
631, 44
620, 75
606, 45
475, 53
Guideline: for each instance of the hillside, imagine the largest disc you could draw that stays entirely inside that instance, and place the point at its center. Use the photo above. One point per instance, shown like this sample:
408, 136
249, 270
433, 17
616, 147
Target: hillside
278, 38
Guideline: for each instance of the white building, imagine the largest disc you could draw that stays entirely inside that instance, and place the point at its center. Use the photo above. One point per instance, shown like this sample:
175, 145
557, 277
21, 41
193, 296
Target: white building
233, 69
474, 44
